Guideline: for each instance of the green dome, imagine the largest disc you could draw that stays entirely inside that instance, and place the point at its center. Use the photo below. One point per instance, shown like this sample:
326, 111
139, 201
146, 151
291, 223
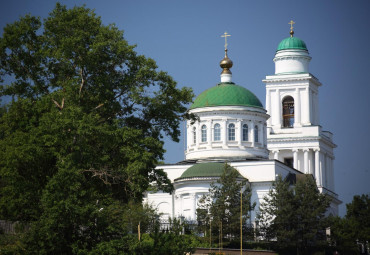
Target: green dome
226, 94
292, 43
204, 170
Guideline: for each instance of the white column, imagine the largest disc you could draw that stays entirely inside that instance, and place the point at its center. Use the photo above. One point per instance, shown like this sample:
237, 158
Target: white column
311, 160
187, 136
259, 132
252, 133
268, 106
197, 132
297, 109
295, 158
332, 174
178, 206
317, 112
276, 154
324, 170
305, 162
317, 167
310, 99
238, 131
193, 198
278, 108
306, 108
209, 133
224, 129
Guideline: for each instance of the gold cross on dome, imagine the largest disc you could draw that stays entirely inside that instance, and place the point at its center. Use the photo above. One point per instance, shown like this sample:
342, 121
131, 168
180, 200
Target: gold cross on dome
291, 28
225, 35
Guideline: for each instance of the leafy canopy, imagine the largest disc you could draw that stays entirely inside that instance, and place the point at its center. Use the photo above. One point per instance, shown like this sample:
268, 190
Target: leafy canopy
84, 122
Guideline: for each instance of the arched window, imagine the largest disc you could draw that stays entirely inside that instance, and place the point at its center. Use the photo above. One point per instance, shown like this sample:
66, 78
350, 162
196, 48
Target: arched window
217, 132
256, 134
204, 133
194, 135
231, 132
245, 132
288, 112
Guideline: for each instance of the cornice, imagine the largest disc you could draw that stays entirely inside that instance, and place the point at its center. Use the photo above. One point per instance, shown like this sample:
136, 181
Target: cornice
194, 179
285, 57
293, 139
231, 112
285, 78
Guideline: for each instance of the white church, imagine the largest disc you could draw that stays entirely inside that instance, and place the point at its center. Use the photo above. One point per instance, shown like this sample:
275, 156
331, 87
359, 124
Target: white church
233, 126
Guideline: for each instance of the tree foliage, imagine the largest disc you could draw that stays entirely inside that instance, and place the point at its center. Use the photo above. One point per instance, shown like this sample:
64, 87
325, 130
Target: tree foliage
221, 206
350, 233
85, 123
294, 216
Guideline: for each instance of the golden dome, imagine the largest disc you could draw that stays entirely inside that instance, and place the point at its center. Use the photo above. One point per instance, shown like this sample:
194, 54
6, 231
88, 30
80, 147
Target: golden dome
226, 64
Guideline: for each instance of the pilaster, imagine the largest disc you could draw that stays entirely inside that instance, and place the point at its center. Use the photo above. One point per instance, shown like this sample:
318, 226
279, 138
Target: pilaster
295, 158
297, 108
317, 167
305, 161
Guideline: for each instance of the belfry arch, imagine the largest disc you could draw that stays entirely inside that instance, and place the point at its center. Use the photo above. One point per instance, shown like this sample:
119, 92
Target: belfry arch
288, 111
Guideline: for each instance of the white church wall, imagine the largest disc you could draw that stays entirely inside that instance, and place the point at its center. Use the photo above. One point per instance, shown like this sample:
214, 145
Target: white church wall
162, 202
259, 191
291, 61
262, 171
187, 196
174, 171
225, 115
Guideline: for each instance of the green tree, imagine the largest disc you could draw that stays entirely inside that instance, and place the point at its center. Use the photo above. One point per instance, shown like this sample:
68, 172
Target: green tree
222, 204
353, 228
83, 130
295, 215
358, 215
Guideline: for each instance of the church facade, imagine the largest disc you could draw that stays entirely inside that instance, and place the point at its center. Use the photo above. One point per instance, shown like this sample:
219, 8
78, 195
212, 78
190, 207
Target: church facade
233, 126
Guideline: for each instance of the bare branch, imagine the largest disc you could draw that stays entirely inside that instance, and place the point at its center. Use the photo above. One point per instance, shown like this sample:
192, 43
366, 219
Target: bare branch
58, 105
82, 82
106, 175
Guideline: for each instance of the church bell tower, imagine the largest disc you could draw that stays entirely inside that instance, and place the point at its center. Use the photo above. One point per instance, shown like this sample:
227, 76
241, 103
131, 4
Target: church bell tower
294, 134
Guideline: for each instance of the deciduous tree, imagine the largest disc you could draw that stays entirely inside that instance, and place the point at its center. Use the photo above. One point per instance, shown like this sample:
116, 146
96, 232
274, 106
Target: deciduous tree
85, 123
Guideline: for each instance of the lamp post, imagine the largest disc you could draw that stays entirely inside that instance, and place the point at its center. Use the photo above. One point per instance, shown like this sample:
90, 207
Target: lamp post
241, 221
210, 234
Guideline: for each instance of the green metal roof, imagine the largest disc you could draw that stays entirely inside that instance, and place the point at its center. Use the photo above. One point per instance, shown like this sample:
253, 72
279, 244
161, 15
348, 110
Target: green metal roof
292, 43
226, 94
204, 170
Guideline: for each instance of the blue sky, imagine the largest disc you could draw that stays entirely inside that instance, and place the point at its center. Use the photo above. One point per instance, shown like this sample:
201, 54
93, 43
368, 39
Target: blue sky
184, 37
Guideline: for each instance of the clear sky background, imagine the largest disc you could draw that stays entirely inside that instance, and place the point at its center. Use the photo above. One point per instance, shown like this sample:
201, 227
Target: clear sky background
184, 37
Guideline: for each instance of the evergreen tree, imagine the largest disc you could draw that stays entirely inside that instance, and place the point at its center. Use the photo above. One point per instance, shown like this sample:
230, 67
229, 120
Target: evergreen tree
351, 233
222, 204
83, 130
294, 216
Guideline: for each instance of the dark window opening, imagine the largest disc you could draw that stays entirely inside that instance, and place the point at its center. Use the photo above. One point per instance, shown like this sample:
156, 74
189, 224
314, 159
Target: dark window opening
288, 112
288, 162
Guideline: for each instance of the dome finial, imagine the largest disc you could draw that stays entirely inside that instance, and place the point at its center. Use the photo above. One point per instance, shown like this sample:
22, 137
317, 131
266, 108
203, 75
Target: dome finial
225, 35
291, 28
226, 63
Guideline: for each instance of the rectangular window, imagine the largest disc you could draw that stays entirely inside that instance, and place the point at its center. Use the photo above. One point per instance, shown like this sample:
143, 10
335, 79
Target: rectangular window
217, 132
288, 162
231, 132
204, 133
245, 132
